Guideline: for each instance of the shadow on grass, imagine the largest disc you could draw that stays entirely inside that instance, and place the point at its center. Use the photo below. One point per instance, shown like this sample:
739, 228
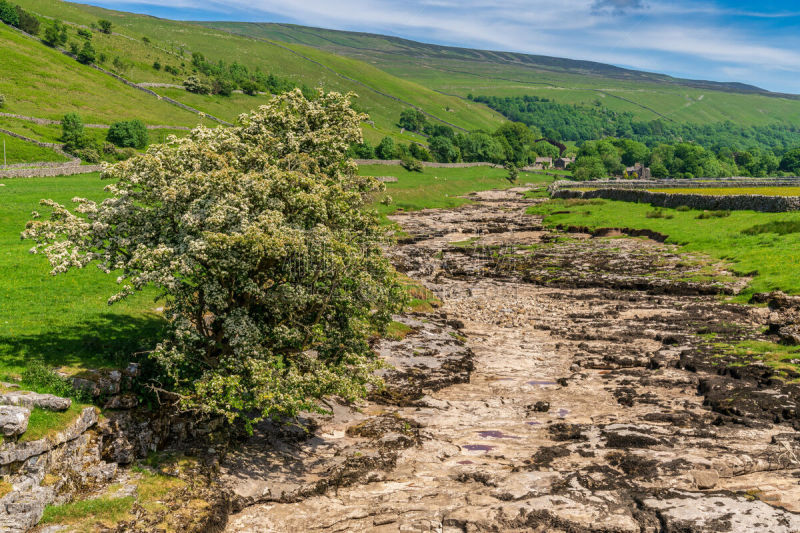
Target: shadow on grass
108, 340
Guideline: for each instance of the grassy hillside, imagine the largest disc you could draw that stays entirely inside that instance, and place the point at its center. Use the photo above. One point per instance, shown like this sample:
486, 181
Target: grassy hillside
138, 41
462, 71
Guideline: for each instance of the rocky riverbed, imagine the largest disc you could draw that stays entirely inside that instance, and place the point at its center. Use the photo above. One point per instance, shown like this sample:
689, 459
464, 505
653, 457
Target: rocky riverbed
567, 383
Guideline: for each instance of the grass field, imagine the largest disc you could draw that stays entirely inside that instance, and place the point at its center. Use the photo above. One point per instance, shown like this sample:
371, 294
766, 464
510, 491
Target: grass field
19, 151
63, 320
735, 191
764, 245
441, 187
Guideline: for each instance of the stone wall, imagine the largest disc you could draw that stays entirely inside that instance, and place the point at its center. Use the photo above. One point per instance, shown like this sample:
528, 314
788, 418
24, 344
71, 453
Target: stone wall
680, 184
49, 171
769, 204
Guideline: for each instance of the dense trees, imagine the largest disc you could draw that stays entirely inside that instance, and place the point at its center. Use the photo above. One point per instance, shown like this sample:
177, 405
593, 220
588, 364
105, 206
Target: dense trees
582, 123
272, 277
86, 54
128, 134
55, 34
791, 162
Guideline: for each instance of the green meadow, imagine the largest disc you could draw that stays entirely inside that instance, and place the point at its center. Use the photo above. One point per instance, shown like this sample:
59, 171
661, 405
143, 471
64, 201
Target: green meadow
765, 246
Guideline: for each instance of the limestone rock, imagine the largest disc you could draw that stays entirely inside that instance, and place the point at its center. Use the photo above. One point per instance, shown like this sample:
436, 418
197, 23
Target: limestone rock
34, 399
13, 420
705, 479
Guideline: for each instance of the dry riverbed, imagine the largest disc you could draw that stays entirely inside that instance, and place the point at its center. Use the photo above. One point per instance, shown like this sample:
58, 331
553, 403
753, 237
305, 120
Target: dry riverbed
567, 383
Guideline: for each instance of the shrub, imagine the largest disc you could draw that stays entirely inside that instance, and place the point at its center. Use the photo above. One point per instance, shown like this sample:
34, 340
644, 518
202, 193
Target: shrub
249, 87
194, 85
273, 278
102, 57
27, 22
156, 65
221, 87
129, 133
513, 172
385, 149
362, 151
658, 213
411, 164
146, 39
87, 54
44, 379
86, 34
72, 133
713, 214
88, 154
74, 48
2, 100
8, 13
55, 34
683, 208
170, 69
104, 26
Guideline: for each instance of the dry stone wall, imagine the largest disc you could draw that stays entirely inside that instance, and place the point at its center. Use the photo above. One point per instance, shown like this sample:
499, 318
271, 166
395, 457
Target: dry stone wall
752, 202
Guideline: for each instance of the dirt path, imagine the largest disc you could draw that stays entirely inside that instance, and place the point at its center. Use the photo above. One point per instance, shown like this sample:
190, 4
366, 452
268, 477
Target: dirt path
562, 386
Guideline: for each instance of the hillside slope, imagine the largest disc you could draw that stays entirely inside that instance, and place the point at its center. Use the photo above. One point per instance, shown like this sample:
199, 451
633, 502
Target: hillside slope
463, 71
138, 41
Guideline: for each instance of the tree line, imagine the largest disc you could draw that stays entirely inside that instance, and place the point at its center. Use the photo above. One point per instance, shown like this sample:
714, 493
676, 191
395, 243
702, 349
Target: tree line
511, 142
577, 123
611, 156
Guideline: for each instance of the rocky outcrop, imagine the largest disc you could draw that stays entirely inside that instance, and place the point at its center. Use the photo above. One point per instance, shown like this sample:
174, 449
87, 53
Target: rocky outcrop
13, 420
69, 459
31, 399
594, 400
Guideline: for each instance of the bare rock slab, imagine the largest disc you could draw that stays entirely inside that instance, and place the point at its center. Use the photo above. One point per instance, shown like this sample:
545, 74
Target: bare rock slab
13, 420
34, 399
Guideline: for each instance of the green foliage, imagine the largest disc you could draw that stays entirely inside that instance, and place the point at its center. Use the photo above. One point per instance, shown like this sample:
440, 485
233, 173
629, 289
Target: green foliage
444, 150
104, 26
411, 164
791, 161
28, 22
513, 171
385, 149
128, 133
2, 100
8, 13
413, 120
479, 146
764, 256
363, 150
55, 34
157, 64
713, 214
222, 87
273, 279
581, 123
86, 54
43, 379
589, 167
419, 152
72, 132
517, 141
781, 227
85, 34
193, 84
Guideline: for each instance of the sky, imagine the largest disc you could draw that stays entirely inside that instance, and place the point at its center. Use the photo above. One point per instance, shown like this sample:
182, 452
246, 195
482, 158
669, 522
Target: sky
721, 40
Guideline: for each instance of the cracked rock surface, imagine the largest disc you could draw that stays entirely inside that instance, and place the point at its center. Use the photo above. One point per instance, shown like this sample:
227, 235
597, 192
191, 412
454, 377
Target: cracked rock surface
564, 386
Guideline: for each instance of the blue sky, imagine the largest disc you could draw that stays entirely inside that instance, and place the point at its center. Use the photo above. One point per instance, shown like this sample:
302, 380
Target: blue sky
730, 40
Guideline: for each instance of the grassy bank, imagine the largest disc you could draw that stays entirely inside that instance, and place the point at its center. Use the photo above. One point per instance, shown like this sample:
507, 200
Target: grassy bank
764, 245
65, 319
441, 187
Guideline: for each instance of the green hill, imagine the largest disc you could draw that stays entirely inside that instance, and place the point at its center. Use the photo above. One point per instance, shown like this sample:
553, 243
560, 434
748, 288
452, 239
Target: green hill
60, 84
462, 71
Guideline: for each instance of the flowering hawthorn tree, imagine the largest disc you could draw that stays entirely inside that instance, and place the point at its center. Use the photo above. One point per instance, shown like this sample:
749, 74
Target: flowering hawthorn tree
273, 277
